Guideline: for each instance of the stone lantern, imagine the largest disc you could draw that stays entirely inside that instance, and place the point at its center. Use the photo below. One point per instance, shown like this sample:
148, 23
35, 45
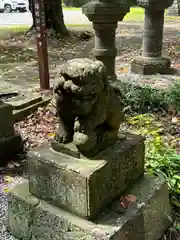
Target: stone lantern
151, 61
105, 14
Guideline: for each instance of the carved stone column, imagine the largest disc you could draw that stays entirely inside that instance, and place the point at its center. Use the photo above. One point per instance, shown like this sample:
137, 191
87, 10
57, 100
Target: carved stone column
174, 10
151, 61
105, 14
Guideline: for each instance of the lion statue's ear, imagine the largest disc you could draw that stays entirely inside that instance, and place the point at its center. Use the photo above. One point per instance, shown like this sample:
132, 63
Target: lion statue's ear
58, 89
59, 86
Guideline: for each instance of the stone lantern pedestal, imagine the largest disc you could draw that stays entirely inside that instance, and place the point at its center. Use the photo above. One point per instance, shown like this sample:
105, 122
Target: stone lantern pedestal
11, 143
105, 14
151, 61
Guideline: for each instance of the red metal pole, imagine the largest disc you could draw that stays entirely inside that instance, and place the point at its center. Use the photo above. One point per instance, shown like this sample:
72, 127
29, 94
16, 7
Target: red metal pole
42, 52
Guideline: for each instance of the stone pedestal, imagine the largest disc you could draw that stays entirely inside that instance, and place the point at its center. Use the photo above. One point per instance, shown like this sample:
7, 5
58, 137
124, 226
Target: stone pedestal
146, 219
71, 183
10, 141
79, 198
151, 61
105, 16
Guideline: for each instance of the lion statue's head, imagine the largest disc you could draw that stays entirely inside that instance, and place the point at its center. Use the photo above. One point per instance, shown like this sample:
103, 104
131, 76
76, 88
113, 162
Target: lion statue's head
80, 81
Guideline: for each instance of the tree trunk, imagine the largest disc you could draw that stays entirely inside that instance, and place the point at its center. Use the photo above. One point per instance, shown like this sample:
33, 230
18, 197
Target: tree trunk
32, 10
54, 16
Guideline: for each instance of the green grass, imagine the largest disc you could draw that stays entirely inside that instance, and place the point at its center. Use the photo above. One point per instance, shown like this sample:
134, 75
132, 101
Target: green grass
24, 28
135, 14
71, 9
14, 28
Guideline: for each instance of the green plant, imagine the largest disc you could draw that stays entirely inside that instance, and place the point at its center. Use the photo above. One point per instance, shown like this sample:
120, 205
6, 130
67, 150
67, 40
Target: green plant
160, 157
146, 98
141, 99
173, 96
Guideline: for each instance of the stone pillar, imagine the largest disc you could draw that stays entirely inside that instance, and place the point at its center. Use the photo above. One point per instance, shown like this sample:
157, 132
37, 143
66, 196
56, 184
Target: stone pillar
10, 141
105, 16
151, 61
174, 10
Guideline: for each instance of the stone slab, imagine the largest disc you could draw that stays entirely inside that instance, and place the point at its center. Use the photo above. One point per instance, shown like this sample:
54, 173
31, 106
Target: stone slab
145, 219
21, 114
6, 121
151, 66
23, 100
84, 186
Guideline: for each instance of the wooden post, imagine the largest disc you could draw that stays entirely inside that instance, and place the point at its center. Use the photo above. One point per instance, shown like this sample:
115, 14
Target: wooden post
41, 38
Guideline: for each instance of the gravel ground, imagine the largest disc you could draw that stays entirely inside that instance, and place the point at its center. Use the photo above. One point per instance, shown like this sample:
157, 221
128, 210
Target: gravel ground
6, 183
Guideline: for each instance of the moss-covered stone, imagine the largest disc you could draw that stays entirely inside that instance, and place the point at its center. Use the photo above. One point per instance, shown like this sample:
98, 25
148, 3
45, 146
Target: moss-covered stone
145, 219
84, 186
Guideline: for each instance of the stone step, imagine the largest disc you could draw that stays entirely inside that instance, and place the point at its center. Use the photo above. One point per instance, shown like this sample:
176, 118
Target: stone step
145, 219
84, 186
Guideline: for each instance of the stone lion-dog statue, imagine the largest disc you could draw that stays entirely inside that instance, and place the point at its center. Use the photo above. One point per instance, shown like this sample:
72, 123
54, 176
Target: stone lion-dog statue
89, 108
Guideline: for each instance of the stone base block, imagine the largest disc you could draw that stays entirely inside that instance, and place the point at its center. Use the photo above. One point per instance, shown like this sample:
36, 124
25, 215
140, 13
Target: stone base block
145, 219
10, 147
148, 66
6, 120
84, 186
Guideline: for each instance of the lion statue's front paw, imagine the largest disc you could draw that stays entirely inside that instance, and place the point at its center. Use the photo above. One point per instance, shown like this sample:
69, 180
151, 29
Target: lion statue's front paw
85, 142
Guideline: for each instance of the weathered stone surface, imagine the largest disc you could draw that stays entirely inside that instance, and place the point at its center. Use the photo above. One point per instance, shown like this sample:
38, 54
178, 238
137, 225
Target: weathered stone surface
150, 66
105, 16
97, 10
71, 183
23, 101
151, 61
174, 10
155, 5
89, 109
21, 114
23, 203
145, 219
6, 121
10, 141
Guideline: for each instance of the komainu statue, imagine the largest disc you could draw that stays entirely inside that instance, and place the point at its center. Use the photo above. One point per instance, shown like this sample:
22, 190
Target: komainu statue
88, 106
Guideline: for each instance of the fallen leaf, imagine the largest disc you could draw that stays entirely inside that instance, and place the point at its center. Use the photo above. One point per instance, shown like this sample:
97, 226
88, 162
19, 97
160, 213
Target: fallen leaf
51, 135
125, 201
124, 70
